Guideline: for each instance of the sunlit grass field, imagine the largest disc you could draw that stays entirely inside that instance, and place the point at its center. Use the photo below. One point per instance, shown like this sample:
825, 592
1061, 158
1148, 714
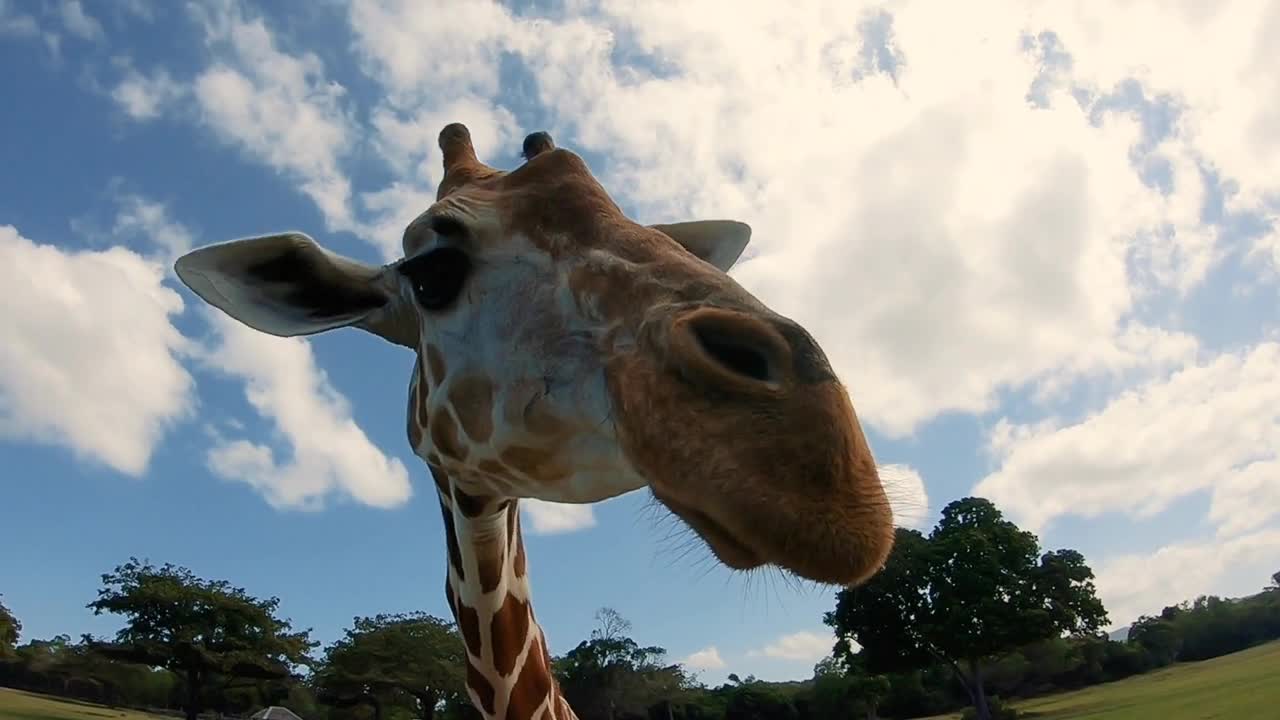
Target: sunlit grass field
18, 705
1240, 686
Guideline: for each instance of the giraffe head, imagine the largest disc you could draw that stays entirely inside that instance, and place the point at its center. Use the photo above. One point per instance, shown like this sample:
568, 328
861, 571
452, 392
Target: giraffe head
570, 354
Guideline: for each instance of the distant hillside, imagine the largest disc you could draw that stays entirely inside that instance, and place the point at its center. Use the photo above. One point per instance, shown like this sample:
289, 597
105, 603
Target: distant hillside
1120, 634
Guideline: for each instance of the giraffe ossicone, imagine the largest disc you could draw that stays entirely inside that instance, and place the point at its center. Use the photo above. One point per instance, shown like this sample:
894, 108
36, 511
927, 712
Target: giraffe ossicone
567, 353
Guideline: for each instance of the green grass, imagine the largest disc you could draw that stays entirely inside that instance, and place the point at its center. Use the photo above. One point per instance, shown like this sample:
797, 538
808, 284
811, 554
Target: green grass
19, 705
1241, 685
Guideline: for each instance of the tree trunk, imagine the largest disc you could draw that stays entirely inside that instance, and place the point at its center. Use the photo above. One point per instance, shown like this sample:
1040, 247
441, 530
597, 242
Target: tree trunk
192, 708
427, 702
979, 692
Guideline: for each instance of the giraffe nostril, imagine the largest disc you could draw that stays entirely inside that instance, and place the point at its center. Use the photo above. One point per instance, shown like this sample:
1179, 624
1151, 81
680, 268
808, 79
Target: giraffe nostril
736, 354
729, 349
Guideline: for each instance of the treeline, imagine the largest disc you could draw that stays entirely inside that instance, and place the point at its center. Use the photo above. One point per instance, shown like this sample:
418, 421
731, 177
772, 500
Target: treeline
972, 614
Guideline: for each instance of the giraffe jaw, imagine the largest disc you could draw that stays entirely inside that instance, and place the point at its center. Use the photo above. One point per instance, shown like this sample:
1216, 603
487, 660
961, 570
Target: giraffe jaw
727, 548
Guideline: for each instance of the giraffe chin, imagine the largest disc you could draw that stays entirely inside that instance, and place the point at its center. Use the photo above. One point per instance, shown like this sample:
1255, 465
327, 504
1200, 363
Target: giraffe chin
841, 549
723, 544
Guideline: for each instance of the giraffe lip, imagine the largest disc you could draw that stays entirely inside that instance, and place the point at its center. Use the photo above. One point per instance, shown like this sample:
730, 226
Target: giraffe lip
727, 549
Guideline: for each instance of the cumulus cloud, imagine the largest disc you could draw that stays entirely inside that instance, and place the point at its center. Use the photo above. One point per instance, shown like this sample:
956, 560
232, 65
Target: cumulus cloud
328, 454
803, 646
707, 658
942, 223
90, 359
1211, 427
955, 215
1134, 584
548, 518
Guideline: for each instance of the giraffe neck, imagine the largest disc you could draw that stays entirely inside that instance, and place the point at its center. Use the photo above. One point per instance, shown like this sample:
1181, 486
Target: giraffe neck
508, 673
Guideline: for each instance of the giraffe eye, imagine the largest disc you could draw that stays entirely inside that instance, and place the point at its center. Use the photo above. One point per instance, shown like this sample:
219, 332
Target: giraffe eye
437, 277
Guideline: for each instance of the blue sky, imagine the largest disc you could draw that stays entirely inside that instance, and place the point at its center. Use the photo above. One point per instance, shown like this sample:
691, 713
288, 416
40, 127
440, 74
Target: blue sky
1043, 256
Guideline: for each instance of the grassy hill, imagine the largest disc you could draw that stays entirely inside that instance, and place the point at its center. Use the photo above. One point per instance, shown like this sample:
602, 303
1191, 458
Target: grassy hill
19, 705
1237, 686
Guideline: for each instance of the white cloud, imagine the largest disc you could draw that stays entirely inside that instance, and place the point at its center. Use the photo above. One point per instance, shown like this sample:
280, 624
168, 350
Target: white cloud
78, 22
277, 107
406, 140
1140, 583
550, 518
1211, 427
144, 97
416, 57
90, 358
328, 454
803, 646
955, 215
141, 216
907, 496
92, 363
707, 658
943, 221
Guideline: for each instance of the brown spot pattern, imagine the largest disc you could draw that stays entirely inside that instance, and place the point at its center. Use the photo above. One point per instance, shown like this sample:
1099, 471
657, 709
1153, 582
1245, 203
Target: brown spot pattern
537, 463
469, 624
470, 505
518, 566
472, 400
531, 688
491, 467
435, 364
444, 435
491, 559
509, 629
541, 421
484, 689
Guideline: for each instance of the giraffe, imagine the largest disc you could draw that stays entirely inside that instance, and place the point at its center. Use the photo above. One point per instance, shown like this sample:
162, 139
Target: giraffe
565, 352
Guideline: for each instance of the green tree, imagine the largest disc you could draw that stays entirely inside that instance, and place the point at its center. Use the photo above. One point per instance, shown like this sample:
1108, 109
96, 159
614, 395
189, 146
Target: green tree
10, 630
390, 657
840, 691
973, 590
612, 676
206, 631
759, 701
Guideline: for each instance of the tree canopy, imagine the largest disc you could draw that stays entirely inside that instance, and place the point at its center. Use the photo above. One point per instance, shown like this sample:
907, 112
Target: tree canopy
204, 630
974, 589
10, 631
612, 676
388, 659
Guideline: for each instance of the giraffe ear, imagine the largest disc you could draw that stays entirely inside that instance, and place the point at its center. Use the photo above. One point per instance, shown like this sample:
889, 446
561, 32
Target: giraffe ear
719, 242
287, 285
